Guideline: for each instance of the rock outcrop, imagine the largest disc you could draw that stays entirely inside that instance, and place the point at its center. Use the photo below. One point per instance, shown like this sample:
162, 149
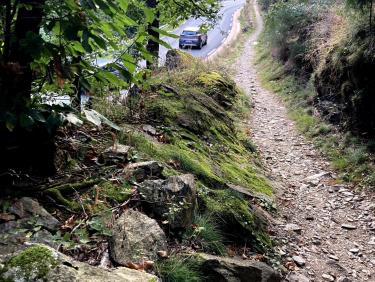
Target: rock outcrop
136, 237
42, 263
26, 212
222, 269
173, 199
115, 154
144, 170
177, 59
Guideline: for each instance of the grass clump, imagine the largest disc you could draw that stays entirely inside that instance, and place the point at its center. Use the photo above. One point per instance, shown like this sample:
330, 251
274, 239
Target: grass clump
206, 234
179, 269
235, 217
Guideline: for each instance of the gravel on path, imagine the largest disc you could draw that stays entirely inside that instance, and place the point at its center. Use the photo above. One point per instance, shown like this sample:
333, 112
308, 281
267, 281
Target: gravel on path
326, 231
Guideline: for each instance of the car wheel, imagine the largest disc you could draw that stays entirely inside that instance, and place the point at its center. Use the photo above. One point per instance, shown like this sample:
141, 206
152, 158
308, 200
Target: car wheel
180, 46
200, 45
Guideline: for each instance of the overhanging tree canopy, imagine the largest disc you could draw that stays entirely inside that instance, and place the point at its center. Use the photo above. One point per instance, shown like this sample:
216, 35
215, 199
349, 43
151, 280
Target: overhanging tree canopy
52, 44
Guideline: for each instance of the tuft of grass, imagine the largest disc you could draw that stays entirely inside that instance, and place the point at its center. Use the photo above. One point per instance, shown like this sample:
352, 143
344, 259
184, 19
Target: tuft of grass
236, 219
358, 156
114, 111
178, 269
206, 234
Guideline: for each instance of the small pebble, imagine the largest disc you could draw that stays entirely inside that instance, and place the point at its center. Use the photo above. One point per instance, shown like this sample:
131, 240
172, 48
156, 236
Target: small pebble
333, 257
328, 277
299, 260
348, 226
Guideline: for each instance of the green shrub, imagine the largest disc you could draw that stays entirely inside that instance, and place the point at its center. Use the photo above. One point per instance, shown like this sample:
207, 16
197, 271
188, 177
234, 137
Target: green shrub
288, 30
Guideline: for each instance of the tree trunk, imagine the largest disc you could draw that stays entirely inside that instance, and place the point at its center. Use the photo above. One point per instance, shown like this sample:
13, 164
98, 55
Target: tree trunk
77, 99
7, 28
152, 46
15, 70
371, 18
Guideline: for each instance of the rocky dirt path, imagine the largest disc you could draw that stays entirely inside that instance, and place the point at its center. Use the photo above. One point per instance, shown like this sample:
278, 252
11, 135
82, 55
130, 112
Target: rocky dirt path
326, 231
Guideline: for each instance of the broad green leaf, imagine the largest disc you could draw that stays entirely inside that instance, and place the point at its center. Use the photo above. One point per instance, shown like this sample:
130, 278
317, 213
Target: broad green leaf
161, 42
123, 4
165, 33
77, 46
26, 121
150, 14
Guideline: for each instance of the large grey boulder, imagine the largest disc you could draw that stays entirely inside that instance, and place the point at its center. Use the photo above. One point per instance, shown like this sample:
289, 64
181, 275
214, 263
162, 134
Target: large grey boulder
173, 199
29, 210
42, 263
136, 237
222, 269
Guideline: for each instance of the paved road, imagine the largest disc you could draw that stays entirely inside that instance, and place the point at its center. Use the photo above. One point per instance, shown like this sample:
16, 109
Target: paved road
216, 35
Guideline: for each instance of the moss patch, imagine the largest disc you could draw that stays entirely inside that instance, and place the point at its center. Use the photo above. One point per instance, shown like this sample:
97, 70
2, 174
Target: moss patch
32, 264
200, 111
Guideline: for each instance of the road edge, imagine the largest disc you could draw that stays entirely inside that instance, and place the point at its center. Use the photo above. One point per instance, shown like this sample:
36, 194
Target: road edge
233, 34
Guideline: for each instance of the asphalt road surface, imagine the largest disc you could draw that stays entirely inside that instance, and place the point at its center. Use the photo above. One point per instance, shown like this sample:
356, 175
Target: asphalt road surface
216, 36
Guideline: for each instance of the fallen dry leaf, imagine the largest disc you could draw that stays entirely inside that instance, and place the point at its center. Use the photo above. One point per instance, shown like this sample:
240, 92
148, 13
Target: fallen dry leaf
133, 265
69, 223
7, 217
162, 254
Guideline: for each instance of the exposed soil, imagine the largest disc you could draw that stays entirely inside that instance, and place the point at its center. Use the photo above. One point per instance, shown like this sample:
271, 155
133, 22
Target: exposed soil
326, 231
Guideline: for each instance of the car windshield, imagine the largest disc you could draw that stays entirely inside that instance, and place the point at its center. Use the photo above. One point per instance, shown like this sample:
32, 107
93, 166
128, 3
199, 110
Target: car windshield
189, 33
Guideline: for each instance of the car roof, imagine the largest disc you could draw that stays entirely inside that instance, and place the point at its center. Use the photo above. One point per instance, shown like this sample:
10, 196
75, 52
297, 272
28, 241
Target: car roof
192, 28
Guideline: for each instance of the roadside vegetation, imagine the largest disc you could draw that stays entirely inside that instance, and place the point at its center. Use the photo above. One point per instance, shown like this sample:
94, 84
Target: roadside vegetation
228, 56
189, 119
318, 57
197, 112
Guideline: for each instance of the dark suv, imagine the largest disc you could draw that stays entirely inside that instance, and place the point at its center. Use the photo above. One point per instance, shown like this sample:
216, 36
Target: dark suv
192, 37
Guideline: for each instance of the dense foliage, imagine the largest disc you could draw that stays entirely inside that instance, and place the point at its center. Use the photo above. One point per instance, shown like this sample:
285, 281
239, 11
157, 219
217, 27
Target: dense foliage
52, 46
67, 48
331, 46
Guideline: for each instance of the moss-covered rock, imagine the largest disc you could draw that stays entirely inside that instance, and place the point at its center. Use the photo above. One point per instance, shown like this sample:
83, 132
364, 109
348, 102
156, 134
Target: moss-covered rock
31, 264
222, 89
42, 263
239, 221
229, 269
200, 112
178, 59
